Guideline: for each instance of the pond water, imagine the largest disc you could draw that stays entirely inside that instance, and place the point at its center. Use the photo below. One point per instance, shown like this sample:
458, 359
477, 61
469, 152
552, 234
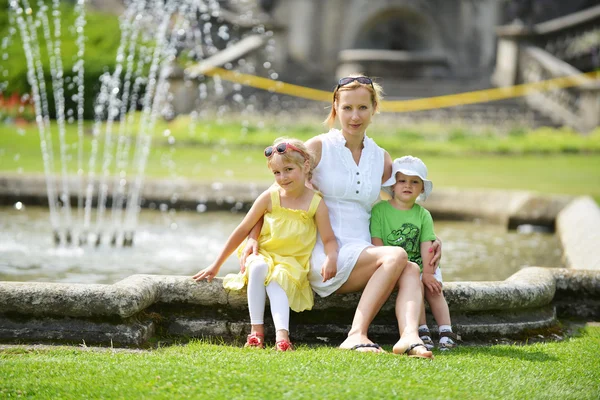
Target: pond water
182, 242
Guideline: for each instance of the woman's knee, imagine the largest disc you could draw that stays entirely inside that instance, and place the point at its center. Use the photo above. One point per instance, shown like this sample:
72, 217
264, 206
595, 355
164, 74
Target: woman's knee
396, 257
410, 275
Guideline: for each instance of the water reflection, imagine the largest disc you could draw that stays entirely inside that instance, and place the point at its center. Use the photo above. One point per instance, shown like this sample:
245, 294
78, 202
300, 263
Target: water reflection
173, 242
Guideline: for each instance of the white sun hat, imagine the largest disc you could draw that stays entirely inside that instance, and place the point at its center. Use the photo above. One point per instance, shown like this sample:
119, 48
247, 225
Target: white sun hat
410, 166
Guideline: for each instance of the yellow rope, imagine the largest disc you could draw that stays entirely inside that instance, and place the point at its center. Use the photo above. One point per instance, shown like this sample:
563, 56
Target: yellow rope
429, 103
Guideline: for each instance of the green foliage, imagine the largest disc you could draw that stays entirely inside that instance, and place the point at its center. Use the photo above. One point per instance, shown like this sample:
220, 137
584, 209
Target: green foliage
568, 369
102, 40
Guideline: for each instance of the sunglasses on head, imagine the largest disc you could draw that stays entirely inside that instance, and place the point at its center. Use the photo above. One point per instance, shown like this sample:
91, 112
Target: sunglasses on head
281, 148
360, 79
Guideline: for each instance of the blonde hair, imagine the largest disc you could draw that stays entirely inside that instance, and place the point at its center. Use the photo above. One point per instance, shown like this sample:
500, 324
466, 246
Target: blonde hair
376, 96
294, 156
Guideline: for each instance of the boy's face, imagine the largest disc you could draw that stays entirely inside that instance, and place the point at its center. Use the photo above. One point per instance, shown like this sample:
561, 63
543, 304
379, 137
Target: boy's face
407, 188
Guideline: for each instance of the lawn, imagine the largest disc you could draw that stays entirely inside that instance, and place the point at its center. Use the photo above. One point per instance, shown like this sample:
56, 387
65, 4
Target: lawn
553, 370
544, 160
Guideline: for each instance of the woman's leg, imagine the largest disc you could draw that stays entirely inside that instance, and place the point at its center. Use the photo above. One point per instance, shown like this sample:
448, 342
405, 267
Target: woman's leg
257, 273
408, 310
376, 273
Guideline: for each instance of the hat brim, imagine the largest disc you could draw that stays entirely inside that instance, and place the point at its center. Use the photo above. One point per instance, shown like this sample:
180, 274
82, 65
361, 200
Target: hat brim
427, 184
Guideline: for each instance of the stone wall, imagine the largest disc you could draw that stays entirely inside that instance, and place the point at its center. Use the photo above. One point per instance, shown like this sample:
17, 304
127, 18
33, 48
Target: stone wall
144, 308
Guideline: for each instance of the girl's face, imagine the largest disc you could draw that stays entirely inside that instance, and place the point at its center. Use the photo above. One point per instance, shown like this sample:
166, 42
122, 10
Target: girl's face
354, 109
407, 188
288, 174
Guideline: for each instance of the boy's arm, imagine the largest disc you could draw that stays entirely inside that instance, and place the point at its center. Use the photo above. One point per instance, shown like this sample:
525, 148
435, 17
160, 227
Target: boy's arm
375, 227
428, 277
237, 236
376, 241
329, 267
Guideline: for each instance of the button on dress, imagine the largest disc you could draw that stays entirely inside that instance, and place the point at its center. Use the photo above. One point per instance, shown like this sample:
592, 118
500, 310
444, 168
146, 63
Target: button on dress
349, 191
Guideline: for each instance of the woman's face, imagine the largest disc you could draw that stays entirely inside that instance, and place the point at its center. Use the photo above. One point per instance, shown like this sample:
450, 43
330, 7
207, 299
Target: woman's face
354, 110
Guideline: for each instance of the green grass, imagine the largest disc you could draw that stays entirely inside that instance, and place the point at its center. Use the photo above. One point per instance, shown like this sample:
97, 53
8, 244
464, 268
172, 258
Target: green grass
565, 370
556, 161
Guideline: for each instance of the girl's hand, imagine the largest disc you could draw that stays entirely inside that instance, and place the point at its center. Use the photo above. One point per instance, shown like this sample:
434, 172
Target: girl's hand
207, 273
431, 283
436, 248
328, 270
250, 248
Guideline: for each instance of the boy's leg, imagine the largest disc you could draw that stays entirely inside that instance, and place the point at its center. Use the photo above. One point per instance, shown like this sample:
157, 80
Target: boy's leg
441, 313
439, 307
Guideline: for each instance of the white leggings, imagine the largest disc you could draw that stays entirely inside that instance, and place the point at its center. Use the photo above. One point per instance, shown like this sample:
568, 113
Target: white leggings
280, 306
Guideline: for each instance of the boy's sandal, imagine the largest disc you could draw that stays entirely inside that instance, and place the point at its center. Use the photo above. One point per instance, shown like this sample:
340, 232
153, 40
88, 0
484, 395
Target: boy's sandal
256, 340
451, 343
284, 345
425, 336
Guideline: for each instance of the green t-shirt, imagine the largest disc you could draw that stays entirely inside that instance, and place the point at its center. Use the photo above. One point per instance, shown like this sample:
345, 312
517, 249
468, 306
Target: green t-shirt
404, 228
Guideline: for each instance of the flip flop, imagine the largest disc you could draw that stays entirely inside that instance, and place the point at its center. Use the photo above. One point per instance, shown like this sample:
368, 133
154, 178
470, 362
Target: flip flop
367, 345
412, 347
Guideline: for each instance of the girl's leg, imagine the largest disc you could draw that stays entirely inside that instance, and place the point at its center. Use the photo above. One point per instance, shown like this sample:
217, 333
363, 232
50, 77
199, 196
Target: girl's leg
280, 310
257, 273
376, 271
408, 310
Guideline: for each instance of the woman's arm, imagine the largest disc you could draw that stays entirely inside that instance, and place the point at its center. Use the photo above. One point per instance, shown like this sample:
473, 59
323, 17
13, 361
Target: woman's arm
329, 267
315, 146
376, 241
387, 167
252, 244
436, 249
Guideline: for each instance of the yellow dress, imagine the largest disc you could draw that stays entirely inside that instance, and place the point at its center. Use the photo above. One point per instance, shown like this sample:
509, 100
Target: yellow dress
285, 243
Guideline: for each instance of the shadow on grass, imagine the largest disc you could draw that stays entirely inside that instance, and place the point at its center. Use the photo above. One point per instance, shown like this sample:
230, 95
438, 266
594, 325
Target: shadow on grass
515, 352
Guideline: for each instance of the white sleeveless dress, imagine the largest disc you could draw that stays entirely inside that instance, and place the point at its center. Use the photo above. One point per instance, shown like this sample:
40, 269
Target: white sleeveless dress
349, 190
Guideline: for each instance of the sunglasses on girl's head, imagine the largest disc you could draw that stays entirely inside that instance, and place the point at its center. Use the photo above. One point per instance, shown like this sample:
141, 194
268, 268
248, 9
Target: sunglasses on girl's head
360, 79
281, 148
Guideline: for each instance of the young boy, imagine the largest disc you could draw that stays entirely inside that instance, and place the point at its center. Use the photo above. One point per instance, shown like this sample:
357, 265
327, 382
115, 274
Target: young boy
402, 222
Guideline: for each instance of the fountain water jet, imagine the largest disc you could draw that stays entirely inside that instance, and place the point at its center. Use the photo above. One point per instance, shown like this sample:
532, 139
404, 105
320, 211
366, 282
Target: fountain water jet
152, 33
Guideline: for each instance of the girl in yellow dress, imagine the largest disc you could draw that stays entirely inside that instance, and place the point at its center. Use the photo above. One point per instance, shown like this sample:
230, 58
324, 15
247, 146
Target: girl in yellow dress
292, 214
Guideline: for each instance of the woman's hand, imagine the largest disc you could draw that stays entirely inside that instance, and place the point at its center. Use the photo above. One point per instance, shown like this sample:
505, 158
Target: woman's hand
250, 248
436, 248
207, 273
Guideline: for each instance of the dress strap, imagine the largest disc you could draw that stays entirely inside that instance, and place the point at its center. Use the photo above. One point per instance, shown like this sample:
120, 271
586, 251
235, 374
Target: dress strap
275, 203
314, 204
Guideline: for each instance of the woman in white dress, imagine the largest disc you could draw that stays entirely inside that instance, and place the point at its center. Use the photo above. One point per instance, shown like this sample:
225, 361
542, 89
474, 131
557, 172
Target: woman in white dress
350, 169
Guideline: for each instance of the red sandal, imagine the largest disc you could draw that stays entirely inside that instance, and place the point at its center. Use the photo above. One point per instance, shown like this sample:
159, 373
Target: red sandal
255, 340
284, 345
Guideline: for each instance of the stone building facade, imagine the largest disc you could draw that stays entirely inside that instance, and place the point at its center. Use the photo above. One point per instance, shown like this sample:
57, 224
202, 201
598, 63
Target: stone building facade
395, 38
